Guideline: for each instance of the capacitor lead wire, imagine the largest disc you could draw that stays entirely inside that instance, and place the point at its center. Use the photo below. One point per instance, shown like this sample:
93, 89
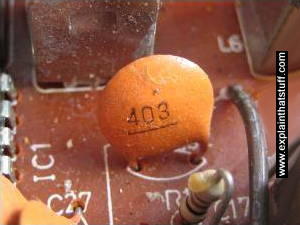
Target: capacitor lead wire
257, 155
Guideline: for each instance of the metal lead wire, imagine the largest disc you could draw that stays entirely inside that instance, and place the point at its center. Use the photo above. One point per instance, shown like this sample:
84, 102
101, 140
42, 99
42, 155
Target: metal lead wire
257, 155
220, 185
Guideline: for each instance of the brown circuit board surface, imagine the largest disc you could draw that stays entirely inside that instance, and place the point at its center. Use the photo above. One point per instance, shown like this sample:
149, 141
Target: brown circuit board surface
63, 156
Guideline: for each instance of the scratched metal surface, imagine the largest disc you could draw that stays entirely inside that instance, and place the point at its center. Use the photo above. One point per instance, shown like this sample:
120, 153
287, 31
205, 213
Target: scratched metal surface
81, 33
60, 141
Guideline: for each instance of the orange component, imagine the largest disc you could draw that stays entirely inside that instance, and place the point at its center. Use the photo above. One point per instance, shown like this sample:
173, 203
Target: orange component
11, 202
156, 104
35, 212
15, 209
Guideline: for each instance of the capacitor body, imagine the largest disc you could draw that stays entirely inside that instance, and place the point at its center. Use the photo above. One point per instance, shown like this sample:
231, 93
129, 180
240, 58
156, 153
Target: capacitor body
15, 209
11, 201
156, 104
36, 212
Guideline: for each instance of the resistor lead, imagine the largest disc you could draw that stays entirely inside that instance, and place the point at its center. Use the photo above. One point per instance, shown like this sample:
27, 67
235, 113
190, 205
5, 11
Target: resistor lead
205, 188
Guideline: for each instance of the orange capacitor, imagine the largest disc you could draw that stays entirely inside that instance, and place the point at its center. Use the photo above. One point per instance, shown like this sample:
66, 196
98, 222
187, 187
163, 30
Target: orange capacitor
35, 212
15, 209
11, 201
156, 104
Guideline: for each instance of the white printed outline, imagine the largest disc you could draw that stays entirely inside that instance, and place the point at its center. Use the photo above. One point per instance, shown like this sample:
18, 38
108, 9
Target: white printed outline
165, 179
161, 179
36, 147
108, 187
63, 90
82, 218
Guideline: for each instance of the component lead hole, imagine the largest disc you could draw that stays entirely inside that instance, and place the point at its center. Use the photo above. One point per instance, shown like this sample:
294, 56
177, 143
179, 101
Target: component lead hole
196, 159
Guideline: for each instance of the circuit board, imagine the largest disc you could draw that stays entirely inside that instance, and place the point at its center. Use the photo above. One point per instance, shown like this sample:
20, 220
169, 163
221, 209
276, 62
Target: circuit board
62, 155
